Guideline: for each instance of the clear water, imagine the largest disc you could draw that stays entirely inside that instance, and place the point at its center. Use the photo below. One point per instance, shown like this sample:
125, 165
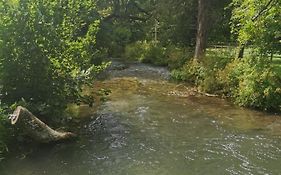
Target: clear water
152, 127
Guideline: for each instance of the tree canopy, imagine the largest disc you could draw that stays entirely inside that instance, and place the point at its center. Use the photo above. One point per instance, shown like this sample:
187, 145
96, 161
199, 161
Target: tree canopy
258, 23
46, 51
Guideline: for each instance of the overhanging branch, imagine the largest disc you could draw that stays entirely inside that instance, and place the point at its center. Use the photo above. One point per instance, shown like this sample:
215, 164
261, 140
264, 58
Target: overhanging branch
266, 7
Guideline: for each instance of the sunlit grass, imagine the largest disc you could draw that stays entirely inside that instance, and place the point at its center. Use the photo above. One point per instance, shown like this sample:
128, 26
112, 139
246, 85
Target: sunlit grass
222, 52
226, 53
277, 63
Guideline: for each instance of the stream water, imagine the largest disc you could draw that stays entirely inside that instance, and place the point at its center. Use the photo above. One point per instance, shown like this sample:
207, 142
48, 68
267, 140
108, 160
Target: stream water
150, 126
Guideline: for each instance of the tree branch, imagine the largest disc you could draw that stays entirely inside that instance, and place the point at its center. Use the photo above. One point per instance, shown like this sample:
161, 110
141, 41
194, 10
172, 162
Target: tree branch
266, 7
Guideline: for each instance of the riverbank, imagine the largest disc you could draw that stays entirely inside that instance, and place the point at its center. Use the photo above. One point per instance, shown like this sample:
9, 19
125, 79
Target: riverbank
252, 81
149, 125
216, 78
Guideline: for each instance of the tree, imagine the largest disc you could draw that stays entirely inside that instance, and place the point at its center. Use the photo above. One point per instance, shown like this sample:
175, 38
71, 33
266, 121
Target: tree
46, 50
122, 22
176, 22
201, 37
257, 22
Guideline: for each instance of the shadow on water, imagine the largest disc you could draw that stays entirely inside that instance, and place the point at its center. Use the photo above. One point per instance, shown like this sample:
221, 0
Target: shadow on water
150, 126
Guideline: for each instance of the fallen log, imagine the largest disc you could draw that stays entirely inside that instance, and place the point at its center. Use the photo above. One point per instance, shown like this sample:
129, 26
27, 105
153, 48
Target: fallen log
35, 128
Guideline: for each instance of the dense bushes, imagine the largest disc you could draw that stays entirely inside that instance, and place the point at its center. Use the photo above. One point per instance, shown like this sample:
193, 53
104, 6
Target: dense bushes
146, 52
192, 72
46, 51
177, 56
136, 51
250, 82
4, 131
151, 52
113, 37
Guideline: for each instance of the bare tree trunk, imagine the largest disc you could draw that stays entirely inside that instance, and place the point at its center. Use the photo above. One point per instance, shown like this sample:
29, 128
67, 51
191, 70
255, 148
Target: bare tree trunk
35, 128
241, 51
201, 37
271, 56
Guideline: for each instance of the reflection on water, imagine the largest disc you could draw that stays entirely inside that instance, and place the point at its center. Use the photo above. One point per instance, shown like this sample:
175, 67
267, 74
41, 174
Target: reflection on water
148, 128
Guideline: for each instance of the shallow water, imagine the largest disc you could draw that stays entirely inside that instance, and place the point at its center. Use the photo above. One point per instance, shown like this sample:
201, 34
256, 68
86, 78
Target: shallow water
150, 126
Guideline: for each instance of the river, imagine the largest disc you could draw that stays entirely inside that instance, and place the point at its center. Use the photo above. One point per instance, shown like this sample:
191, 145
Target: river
150, 126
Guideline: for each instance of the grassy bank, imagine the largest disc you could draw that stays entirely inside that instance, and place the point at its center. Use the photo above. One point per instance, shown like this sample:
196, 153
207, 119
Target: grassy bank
253, 81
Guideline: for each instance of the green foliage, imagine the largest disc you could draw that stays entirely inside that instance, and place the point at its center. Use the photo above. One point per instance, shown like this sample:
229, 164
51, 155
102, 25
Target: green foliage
150, 52
218, 58
136, 51
253, 83
155, 54
146, 52
204, 74
46, 52
193, 72
258, 22
3, 132
177, 56
122, 23
176, 21
229, 77
114, 37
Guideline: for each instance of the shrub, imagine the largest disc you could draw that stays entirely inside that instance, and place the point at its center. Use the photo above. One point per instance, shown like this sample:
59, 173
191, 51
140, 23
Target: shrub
229, 77
114, 36
46, 52
4, 129
146, 52
251, 82
155, 54
177, 56
136, 51
218, 58
210, 83
192, 72
205, 74
179, 74
150, 52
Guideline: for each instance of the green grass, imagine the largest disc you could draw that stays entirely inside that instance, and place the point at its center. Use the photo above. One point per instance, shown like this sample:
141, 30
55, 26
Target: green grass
277, 64
228, 52
223, 52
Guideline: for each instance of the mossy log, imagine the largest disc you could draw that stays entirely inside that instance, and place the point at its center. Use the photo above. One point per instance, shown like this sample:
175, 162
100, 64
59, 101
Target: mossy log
35, 128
